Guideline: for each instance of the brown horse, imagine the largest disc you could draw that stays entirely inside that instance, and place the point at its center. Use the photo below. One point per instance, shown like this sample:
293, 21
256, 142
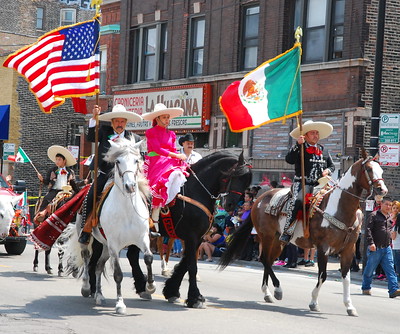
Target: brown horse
333, 228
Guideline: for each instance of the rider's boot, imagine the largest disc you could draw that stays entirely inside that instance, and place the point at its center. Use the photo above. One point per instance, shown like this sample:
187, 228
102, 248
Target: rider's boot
287, 232
153, 222
86, 232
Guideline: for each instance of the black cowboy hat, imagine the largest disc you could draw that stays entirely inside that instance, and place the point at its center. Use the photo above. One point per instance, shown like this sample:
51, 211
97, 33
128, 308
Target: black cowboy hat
186, 137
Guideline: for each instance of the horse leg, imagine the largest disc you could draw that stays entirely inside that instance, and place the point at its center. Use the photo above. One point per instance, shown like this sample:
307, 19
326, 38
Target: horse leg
85, 253
99, 270
139, 279
164, 265
172, 284
195, 299
346, 258
269, 253
60, 261
47, 262
36, 261
322, 262
120, 307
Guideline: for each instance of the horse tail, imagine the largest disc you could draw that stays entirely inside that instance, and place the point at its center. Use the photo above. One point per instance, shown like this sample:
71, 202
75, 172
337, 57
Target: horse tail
236, 243
73, 250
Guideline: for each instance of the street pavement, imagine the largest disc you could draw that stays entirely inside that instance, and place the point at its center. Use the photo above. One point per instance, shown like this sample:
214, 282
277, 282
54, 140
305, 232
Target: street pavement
333, 270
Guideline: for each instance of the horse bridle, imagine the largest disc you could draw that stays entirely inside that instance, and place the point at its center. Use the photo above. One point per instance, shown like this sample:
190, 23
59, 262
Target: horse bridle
227, 180
121, 174
370, 181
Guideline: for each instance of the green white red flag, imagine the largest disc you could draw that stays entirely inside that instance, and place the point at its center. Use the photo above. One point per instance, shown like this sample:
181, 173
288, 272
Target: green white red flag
270, 93
20, 157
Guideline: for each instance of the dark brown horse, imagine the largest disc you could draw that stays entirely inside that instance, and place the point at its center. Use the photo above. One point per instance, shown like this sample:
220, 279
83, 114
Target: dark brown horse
333, 228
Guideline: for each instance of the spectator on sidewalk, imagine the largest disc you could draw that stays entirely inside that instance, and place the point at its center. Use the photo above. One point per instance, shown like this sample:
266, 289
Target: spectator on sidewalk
396, 237
378, 236
308, 258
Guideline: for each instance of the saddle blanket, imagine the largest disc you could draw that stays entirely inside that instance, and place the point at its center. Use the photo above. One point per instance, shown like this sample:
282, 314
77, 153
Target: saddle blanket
45, 235
277, 202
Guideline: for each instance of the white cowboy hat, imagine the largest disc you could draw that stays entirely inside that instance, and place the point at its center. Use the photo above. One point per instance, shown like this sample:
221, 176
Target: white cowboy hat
52, 151
324, 129
119, 111
161, 109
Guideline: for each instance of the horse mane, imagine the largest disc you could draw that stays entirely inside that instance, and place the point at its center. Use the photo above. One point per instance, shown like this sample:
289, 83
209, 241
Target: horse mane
210, 161
124, 147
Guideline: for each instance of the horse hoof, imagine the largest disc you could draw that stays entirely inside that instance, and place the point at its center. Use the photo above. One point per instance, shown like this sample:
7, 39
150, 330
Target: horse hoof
60, 273
150, 288
145, 295
278, 295
268, 299
352, 312
85, 292
35, 269
49, 271
173, 300
199, 305
120, 310
166, 273
314, 307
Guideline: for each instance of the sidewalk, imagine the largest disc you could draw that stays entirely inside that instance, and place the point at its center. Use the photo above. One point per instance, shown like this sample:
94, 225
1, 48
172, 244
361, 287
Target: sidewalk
333, 272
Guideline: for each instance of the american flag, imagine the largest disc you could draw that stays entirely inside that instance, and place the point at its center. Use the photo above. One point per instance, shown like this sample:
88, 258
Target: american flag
62, 63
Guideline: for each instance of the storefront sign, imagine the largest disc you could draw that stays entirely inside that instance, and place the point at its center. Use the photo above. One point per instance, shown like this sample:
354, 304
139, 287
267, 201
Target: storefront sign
389, 155
193, 99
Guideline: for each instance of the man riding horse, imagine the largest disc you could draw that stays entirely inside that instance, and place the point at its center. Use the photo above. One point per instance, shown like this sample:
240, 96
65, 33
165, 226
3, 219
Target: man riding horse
118, 117
57, 177
317, 163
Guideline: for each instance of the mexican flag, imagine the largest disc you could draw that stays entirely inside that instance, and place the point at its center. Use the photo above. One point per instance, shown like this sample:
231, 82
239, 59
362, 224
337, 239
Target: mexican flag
270, 93
20, 157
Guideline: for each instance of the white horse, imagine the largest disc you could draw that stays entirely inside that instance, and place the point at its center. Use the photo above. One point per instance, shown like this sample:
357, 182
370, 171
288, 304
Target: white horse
124, 219
7, 213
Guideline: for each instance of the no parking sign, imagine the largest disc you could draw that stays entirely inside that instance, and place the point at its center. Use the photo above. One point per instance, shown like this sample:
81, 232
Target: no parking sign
389, 154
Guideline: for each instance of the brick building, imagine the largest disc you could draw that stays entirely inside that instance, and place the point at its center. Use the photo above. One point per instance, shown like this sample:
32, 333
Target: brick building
186, 52
31, 129
167, 48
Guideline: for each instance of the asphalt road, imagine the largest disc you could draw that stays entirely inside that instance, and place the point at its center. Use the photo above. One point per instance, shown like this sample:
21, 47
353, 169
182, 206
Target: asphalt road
41, 303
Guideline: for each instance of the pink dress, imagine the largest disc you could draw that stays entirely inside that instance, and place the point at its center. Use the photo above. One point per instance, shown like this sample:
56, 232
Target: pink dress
165, 174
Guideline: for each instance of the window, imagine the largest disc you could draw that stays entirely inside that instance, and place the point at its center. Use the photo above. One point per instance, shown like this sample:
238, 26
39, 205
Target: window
67, 16
39, 18
232, 139
196, 50
103, 70
250, 38
149, 50
323, 27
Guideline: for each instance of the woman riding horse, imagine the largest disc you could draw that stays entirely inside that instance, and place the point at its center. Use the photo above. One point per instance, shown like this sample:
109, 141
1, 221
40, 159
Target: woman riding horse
163, 166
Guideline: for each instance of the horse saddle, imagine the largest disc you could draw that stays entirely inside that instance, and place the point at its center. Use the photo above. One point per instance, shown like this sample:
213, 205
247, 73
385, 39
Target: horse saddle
280, 200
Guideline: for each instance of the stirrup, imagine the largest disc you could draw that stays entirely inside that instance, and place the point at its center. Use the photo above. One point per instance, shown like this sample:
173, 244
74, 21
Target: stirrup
285, 238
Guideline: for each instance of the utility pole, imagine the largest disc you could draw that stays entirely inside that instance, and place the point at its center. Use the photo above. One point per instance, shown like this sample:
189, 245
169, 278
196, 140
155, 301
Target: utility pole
376, 103
376, 97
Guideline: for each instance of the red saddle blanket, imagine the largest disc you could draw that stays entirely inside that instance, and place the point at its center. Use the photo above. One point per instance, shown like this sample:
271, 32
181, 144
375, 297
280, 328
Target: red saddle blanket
46, 234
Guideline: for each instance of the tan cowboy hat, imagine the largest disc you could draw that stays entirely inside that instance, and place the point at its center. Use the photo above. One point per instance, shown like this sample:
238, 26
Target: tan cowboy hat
161, 109
324, 129
119, 111
52, 151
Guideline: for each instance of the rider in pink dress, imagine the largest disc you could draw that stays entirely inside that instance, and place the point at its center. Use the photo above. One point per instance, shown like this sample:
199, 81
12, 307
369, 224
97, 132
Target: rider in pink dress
164, 166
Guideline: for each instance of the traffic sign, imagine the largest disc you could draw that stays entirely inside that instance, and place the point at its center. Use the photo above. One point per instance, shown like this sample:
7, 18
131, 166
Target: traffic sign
389, 155
8, 149
389, 128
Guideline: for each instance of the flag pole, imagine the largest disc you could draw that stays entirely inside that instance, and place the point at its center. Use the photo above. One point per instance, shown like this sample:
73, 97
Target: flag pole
96, 164
298, 34
96, 4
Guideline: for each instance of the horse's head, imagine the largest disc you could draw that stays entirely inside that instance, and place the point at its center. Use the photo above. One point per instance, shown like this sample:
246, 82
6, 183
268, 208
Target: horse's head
235, 182
125, 156
371, 178
7, 213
